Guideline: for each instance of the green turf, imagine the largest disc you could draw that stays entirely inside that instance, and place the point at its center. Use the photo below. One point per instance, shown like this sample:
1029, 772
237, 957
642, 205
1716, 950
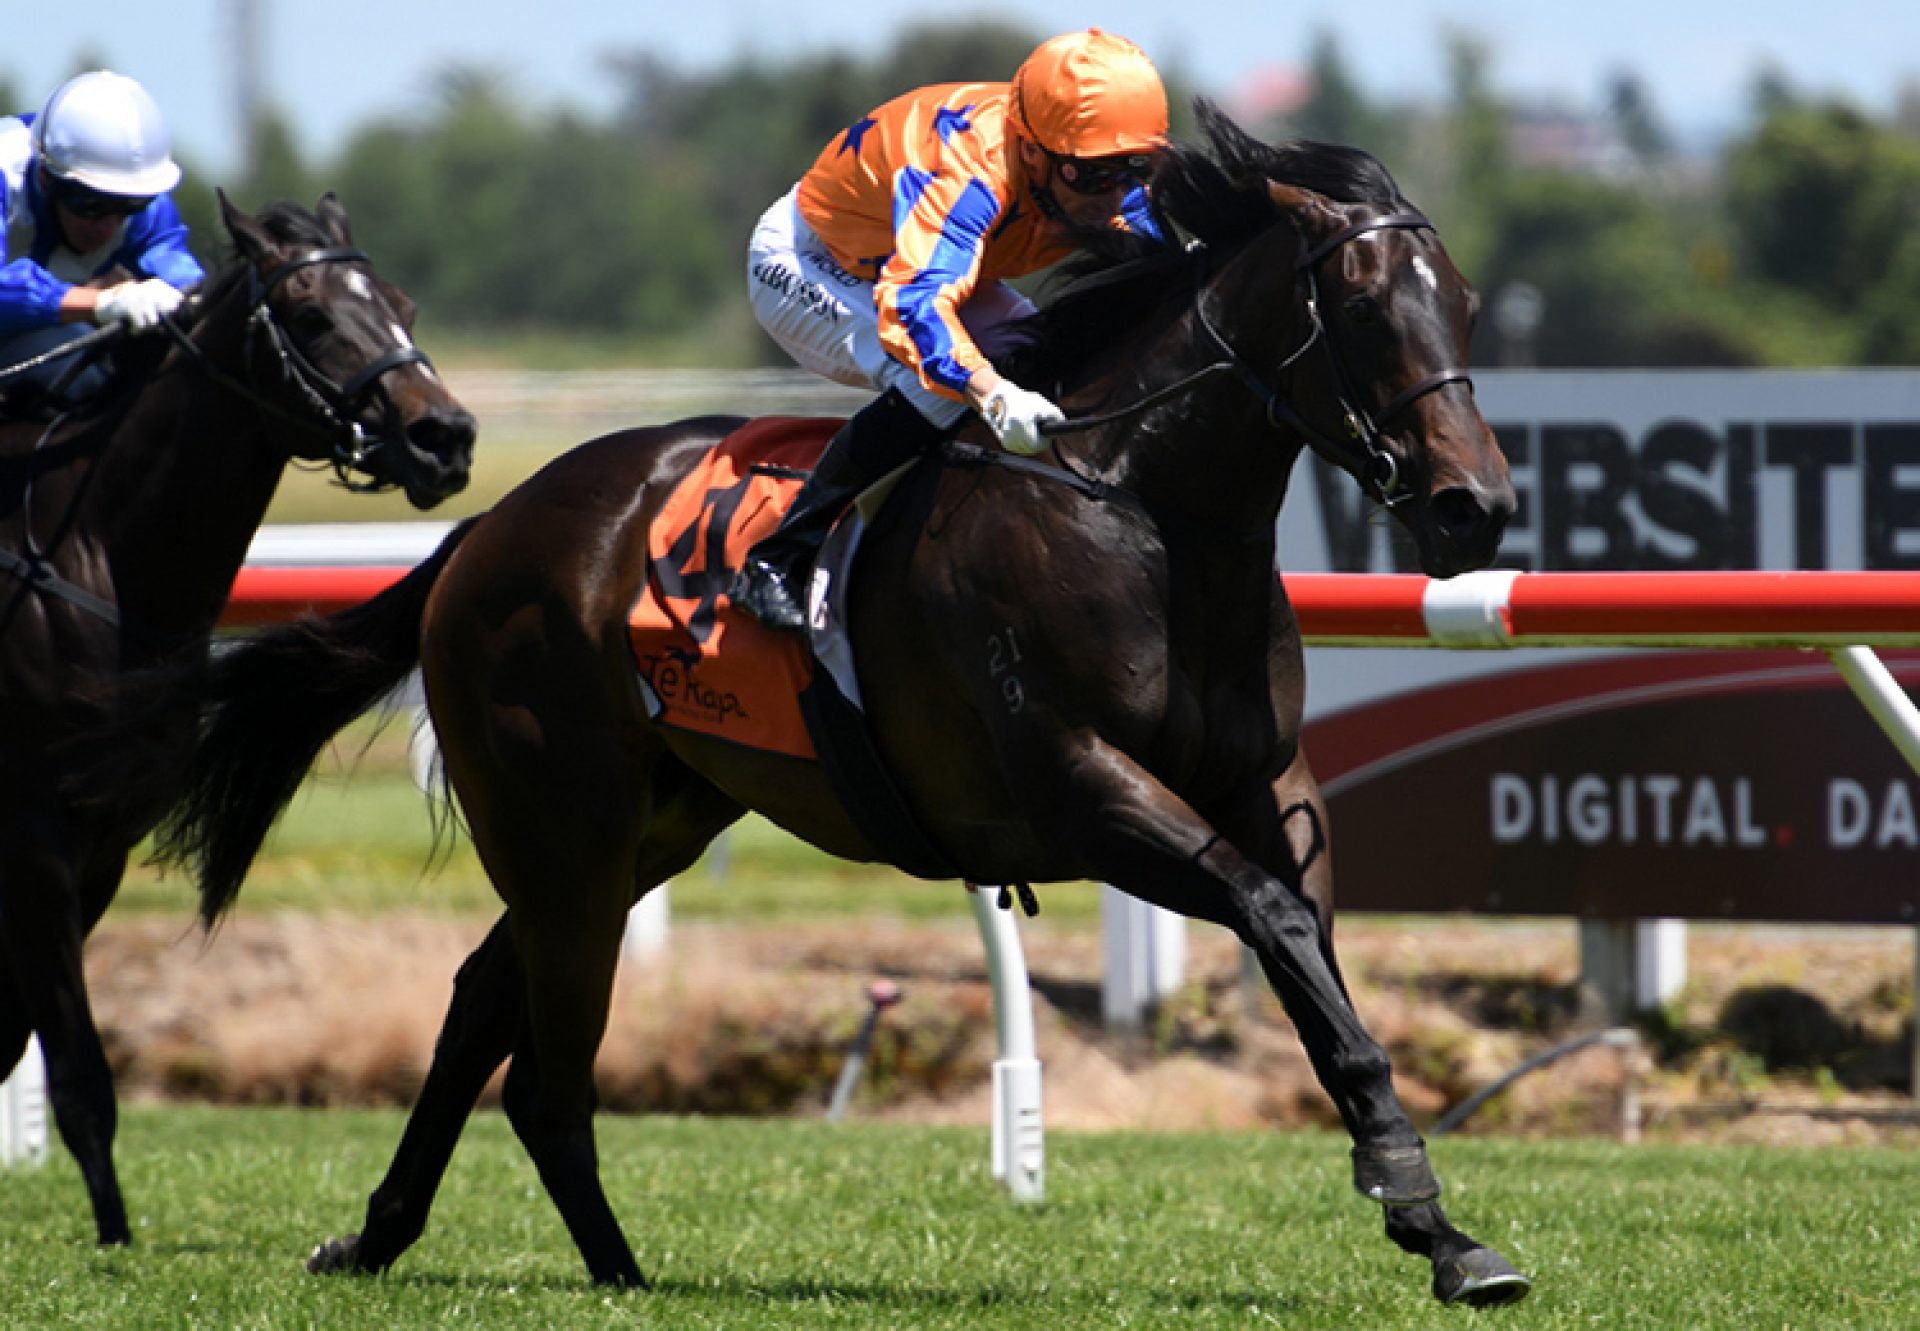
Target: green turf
756, 1224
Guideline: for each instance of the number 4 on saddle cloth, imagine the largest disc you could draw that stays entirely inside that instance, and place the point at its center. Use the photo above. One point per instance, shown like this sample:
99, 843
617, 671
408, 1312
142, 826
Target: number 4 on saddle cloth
708, 667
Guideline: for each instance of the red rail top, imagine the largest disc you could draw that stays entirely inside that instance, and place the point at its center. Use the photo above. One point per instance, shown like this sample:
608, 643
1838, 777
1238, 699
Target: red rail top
1490, 609
268, 594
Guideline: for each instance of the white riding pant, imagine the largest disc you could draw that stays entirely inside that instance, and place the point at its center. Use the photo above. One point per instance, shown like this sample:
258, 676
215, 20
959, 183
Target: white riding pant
826, 319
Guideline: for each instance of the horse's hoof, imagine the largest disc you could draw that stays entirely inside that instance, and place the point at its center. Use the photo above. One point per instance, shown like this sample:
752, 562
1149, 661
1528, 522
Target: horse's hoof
334, 1255
1479, 1278
1395, 1176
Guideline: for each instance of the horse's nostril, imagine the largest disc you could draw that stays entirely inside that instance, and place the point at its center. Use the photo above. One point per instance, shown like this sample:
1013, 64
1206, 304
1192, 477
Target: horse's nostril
445, 435
1470, 521
1457, 511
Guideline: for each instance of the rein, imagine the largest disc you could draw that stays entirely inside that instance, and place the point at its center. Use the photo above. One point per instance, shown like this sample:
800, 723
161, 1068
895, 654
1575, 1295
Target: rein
73, 347
1363, 454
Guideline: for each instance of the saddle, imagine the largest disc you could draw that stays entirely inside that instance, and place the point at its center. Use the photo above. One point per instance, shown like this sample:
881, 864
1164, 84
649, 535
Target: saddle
704, 666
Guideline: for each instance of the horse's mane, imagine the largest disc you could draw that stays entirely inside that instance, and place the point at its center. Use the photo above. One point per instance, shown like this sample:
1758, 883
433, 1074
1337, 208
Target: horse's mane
286, 222
1214, 193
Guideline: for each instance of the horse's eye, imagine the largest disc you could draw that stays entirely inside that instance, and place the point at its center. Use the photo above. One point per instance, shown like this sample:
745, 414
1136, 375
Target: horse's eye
310, 323
1361, 310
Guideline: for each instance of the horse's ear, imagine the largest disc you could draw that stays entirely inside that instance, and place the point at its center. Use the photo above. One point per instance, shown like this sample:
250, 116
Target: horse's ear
333, 216
1313, 214
248, 235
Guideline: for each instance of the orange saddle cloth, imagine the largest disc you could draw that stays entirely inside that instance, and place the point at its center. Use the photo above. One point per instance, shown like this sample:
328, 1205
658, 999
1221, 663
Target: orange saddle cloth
713, 668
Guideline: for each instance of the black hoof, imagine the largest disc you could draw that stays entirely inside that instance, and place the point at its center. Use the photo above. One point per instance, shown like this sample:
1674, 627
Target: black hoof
1395, 1176
334, 1256
627, 1278
1479, 1278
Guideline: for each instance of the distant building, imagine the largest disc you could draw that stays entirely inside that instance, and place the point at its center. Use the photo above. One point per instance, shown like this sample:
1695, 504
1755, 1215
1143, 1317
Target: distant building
1564, 139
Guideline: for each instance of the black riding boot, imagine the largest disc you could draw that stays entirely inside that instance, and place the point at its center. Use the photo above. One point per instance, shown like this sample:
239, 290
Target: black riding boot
880, 436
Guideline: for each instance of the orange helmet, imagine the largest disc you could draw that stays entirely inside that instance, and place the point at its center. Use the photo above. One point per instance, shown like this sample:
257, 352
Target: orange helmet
1090, 94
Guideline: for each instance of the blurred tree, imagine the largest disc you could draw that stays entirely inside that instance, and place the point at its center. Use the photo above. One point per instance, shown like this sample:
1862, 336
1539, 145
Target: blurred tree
1820, 199
1463, 178
1890, 317
276, 171
1630, 107
1599, 254
498, 215
1337, 110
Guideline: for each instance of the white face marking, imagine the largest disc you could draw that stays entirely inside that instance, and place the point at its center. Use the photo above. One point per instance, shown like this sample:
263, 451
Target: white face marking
1425, 270
357, 283
400, 335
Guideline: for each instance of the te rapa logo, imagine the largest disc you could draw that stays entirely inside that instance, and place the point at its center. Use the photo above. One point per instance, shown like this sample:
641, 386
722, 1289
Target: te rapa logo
672, 674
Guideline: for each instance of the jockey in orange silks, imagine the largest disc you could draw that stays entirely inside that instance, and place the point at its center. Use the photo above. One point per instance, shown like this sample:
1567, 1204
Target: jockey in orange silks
886, 267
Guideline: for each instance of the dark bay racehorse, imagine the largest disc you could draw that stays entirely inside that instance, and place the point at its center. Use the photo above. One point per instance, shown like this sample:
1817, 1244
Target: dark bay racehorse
122, 526
1083, 672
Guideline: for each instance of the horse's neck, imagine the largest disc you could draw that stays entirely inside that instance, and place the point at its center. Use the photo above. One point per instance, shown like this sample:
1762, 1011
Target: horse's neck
1210, 461
181, 488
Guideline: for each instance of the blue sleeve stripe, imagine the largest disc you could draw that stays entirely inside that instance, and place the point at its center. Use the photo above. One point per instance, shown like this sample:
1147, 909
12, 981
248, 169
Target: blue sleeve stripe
29, 297
954, 257
156, 244
1136, 212
908, 186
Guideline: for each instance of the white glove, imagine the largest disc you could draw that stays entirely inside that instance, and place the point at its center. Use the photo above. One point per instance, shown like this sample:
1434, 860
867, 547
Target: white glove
1016, 416
137, 305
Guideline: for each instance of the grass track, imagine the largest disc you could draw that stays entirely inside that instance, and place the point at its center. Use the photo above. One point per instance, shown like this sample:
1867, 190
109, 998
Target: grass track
783, 1224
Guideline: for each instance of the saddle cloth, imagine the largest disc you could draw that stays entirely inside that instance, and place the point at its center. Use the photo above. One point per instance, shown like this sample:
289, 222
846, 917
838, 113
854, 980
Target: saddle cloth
707, 666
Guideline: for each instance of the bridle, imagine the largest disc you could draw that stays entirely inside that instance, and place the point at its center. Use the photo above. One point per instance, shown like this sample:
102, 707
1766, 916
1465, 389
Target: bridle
332, 409
1362, 453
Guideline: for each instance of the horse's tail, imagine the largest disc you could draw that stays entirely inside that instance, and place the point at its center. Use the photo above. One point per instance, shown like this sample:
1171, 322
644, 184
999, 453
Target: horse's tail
269, 706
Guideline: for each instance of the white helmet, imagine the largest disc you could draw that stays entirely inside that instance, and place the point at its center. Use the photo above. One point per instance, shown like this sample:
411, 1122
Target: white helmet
105, 131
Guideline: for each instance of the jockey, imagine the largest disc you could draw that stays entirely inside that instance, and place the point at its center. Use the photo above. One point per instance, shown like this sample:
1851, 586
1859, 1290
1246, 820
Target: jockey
886, 266
83, 190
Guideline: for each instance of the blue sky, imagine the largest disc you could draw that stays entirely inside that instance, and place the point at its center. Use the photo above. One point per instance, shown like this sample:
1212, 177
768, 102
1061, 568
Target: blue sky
335, 63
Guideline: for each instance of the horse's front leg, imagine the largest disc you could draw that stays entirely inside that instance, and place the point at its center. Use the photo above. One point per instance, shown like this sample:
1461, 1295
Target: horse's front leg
1284, 828
1146, 841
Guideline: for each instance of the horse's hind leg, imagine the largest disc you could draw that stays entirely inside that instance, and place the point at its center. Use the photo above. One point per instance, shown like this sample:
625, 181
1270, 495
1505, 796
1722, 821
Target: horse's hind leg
45, 911
482, 1022
571, 886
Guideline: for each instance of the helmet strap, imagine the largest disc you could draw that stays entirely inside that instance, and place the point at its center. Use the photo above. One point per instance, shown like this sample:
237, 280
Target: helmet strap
1042, 188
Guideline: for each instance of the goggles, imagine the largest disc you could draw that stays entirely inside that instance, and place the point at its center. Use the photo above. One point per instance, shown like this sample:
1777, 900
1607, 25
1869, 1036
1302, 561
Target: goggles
91, 204
1101, 175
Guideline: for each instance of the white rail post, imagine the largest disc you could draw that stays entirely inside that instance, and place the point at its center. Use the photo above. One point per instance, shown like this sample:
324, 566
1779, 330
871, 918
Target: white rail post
1633, 965
1880, 693
1019, 1146
648, 925
23, 1110
1146, 957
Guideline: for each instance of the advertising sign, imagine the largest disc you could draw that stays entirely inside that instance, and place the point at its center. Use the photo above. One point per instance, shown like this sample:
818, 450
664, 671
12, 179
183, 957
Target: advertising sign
1615, 783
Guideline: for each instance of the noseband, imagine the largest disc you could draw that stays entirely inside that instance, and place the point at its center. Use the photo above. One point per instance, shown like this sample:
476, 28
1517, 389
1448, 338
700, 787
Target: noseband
1362, 453
332, 409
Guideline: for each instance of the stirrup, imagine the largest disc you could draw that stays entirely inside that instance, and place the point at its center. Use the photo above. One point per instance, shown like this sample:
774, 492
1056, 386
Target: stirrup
764, 590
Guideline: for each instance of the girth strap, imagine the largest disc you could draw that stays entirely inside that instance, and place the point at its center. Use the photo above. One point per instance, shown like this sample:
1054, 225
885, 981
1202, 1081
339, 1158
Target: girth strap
40, 577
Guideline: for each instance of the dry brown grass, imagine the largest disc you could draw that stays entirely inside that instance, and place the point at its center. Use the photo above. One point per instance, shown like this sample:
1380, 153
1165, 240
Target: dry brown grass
294, 1009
